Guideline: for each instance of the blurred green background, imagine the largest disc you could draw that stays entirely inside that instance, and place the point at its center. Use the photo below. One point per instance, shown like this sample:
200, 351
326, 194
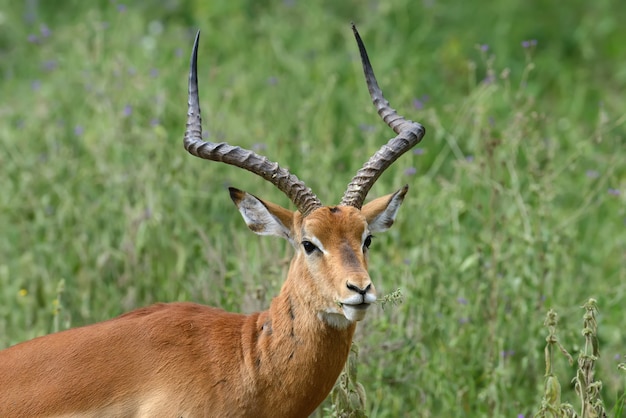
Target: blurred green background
517, 193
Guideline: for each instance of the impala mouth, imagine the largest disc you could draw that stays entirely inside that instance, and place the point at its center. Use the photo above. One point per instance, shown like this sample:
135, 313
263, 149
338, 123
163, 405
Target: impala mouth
359, 306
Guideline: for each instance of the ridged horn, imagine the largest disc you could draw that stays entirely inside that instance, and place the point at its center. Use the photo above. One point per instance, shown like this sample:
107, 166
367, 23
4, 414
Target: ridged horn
409, 134
301, 196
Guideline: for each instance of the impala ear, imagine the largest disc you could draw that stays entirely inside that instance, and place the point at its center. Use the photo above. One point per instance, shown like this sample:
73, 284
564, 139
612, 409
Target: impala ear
263, 218
381, 213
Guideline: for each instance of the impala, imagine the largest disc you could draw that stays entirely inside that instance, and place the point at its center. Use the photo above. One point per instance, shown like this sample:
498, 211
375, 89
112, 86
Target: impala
189, 360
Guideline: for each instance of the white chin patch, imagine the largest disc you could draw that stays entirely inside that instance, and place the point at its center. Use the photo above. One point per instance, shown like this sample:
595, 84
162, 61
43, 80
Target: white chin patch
354, 313
343, 320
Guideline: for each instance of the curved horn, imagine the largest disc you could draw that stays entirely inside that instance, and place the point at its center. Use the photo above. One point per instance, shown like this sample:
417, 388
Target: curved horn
409, 134
296, 190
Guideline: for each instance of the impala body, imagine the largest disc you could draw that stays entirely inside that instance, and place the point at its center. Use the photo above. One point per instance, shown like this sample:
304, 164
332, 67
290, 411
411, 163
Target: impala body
190, 360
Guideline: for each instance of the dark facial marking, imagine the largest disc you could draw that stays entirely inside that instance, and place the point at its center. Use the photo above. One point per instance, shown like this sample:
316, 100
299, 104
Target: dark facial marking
348, 256
335, 209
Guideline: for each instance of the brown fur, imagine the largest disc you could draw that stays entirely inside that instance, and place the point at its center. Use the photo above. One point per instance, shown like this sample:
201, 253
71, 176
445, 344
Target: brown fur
189, 360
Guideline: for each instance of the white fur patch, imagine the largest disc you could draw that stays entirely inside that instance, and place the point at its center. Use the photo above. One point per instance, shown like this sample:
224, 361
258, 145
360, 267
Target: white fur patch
386, 218
259, 219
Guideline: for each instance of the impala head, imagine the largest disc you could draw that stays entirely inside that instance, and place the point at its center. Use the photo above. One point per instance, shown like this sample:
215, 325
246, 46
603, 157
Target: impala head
329, 270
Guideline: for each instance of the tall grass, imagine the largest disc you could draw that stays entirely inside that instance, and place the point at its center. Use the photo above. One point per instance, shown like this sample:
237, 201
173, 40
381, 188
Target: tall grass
517, 193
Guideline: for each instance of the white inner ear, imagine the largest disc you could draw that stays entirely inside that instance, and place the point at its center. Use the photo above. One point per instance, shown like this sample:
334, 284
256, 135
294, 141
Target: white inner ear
387, 217
259, 219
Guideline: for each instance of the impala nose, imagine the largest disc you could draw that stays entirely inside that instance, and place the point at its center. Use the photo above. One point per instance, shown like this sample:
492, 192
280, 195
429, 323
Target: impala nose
359, 290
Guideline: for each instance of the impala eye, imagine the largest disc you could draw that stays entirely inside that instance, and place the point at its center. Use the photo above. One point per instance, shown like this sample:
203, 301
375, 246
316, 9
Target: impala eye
367, 242
308, 246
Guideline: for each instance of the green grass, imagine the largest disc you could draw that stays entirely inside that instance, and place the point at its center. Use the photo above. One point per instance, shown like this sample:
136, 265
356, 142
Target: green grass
517, 200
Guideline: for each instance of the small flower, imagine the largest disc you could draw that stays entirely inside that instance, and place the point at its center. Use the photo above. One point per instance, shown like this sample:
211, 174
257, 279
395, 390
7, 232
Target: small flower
121, 8
128, 110
78, 130
529, 43
272, 81
484, 47
33, 39
49, 65
489, 79
506, 353
469, 158
614, 192
418, 151
35, 85
23, 292
45, 30
410, 171
258, 146
463, 320
461, 301
155, 122
154, 73
592, 174
418, 104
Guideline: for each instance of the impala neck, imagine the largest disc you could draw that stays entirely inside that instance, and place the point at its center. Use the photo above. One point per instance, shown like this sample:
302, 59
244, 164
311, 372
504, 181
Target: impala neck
293, 342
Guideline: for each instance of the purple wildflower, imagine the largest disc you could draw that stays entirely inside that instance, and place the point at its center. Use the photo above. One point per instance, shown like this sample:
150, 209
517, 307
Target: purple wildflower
79, 130
45, 30
614, 192
489, 79
484, 47
592, 174
529, 43
33, 39
128, 110
410, 171
507, 353
418, 151
49, 65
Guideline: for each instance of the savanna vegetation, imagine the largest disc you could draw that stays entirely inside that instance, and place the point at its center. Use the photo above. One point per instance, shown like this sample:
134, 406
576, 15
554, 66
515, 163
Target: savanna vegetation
517, 200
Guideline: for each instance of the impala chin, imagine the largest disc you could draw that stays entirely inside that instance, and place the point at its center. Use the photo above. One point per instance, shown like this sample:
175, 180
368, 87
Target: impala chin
354, 313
